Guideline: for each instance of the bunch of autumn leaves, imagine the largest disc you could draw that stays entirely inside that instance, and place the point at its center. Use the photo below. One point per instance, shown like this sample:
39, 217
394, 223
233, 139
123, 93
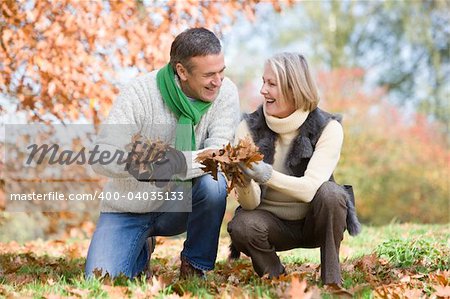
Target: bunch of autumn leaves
229, 159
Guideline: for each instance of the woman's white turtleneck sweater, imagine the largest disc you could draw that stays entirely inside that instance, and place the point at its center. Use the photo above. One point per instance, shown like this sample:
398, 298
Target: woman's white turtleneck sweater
288, 196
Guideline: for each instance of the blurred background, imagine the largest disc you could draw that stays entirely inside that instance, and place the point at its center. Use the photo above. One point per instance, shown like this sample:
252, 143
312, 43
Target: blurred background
383, 65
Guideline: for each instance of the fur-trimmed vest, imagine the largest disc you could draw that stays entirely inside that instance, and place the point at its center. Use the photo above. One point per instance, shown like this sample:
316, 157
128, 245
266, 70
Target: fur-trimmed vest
303, 145
301, 151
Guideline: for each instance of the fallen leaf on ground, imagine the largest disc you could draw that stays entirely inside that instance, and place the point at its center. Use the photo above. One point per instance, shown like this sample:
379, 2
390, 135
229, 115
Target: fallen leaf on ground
299, 290
78, 292
334, 289
115, 291
442, 292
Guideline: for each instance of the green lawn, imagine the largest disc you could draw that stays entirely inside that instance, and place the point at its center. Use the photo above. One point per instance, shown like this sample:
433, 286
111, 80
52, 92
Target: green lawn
403, 260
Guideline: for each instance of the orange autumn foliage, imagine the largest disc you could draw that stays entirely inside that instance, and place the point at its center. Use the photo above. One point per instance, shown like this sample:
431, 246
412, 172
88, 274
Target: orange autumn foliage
397, 160
61, 58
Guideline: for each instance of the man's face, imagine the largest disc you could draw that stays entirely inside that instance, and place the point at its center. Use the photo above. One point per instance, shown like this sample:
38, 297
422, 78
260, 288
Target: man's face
204, 79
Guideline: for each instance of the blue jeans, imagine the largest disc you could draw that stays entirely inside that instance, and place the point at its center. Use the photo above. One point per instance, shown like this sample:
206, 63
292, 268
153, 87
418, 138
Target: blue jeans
119, 244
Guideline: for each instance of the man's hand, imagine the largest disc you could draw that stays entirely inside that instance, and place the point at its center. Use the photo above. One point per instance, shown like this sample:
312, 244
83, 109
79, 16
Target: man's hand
138, 170
173, 163
259, 171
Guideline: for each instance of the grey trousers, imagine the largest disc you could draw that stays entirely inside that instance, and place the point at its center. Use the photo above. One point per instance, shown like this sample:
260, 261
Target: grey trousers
260, 234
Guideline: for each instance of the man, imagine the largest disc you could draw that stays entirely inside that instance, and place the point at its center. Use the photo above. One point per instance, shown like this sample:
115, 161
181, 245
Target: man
190, 105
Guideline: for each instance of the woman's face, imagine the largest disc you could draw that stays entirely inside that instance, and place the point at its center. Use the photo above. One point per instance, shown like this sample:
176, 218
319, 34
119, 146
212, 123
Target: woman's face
275, 104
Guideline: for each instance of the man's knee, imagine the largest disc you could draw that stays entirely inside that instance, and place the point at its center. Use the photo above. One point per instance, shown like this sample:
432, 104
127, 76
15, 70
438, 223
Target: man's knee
211, 193
116, 246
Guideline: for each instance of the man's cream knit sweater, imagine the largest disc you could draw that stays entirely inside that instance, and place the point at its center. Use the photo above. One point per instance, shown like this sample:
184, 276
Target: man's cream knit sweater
140, 109
287, 196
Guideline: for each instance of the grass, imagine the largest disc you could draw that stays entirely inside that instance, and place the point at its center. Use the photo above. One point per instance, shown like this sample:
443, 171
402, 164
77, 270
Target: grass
387, 260
423, 254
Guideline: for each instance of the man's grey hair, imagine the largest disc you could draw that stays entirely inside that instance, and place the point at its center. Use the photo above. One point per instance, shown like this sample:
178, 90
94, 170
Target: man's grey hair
191, 43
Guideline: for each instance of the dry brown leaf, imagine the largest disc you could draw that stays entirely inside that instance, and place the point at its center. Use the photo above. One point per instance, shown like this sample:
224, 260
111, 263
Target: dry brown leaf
156, 285
210, 166
397, 291
442, 291
235, 292
413, 294
54, 296
299, 289
145, 152
2, 200
441, 277
405, 279
115, 291
78, 292
228, 159
73, 251
367, 264
339, 291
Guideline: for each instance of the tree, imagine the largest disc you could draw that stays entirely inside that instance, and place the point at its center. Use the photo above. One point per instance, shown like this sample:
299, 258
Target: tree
403, 45
60, 58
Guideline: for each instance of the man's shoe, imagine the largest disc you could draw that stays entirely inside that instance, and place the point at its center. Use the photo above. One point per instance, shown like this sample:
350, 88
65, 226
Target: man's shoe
188, 271
151, 247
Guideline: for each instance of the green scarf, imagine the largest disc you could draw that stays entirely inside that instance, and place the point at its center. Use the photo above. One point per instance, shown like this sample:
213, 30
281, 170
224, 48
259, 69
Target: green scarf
188, 112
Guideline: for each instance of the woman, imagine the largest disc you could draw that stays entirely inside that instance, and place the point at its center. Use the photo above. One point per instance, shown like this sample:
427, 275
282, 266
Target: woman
291, 199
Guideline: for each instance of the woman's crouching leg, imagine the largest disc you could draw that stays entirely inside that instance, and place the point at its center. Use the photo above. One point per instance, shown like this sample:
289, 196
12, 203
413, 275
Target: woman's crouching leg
325, 225
249, 232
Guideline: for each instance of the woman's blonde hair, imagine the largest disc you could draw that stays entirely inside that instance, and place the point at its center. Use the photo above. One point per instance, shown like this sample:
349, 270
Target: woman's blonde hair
294, 80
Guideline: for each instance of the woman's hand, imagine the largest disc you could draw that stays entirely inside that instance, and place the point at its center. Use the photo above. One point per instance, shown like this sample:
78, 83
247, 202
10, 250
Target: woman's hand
260, 172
